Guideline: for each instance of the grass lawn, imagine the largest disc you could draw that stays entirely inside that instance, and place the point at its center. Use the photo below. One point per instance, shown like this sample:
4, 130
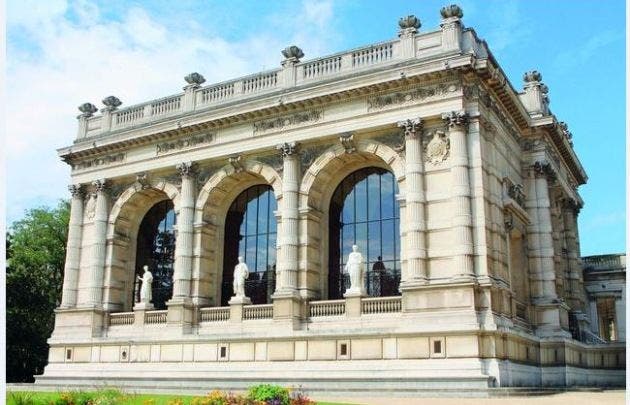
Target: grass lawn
47, 398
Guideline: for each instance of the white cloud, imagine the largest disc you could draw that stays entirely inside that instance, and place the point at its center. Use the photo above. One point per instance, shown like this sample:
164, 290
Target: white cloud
65, 55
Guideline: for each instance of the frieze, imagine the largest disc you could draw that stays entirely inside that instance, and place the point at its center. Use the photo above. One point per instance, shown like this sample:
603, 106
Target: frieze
99, 161
412, 96
288, 121
184, 143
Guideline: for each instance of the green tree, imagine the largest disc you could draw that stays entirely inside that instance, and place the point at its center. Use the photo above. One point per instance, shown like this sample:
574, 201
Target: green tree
36, 251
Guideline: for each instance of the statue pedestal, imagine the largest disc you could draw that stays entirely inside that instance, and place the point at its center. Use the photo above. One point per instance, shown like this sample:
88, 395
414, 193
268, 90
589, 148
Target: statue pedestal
236, 308
353, 302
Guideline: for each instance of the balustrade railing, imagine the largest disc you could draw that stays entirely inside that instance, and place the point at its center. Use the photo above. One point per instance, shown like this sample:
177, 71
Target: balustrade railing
322, 67
260, 82
155, 317
381, 305
129, 116
252, 312
372, 55
215, 314
604, 262
327, 308
166, 106
217, 93
121, 318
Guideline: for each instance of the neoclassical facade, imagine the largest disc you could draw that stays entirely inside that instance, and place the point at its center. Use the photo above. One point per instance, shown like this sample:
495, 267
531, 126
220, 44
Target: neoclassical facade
459, 191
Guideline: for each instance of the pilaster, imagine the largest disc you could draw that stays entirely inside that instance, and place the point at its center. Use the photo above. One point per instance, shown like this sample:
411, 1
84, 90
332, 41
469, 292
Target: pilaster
73, 249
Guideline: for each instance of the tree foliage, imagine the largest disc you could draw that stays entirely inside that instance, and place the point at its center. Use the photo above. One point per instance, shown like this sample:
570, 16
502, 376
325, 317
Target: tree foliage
36, 251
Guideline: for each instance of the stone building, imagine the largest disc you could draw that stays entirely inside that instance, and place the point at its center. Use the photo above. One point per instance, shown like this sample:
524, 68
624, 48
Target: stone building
459, 191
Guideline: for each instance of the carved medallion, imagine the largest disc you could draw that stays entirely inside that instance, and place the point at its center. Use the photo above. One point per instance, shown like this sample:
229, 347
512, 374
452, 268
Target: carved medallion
437, 148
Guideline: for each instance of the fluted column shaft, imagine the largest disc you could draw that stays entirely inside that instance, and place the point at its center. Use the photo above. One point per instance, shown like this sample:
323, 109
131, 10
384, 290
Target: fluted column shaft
182, 272
288, 235
99, 244
542, 272
572, 254
415, 224
460, 195
73, 249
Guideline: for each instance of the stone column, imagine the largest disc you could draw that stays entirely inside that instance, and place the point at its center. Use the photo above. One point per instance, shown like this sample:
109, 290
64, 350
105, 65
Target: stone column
73, 250
457, 122
415, 223
451, 27
286, 300
620, 312
99, 244
184, 242
568, 215
288, 237
594, 317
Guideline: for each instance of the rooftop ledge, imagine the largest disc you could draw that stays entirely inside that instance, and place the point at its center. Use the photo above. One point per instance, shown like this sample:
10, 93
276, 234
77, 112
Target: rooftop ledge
528, 108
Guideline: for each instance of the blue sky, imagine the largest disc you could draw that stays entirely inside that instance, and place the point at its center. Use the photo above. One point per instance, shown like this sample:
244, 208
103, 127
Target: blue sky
62, 53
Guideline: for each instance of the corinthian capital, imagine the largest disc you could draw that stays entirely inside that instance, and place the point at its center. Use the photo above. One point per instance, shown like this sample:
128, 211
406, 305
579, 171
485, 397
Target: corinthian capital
455, 118
544, 169
186, 169
287, 148
100, 185
76, 190
412, 127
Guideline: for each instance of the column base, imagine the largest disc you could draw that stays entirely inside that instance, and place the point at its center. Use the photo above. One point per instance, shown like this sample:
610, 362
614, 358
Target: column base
551, 319
180, 313
289, 308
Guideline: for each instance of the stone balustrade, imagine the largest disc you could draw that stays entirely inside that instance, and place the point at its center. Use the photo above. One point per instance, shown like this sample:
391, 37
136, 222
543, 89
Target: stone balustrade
327, 308
604, 262
214, 314
122, 318
381, 305
155, 317
254, 312
355, 61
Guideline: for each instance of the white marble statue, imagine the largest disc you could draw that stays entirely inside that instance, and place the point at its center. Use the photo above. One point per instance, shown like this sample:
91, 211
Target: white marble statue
146, 294
355, 267
241, 272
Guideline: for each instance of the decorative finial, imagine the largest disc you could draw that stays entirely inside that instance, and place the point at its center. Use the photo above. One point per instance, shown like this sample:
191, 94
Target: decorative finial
451, 11
111, 102
532, 76
88, 109
195, 78
292, 52
411, 21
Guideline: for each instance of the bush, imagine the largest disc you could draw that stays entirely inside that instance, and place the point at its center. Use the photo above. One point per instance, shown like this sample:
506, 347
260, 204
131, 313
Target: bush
269, 394
20, 398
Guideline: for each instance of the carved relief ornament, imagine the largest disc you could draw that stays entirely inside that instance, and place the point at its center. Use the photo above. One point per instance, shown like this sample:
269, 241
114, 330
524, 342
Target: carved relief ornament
186, 169
287, 149
288, 121
347, 141
412, 96
438, 147
99, 161
185, 143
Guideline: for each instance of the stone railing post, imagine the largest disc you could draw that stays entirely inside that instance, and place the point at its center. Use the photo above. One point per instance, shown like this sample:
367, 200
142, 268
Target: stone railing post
194, 80
184, 241
415, 224
451, 25
73, 250
457, 123
111, 104
535, 98
87, 110
287, 304
408, 28
288, 74
99, 242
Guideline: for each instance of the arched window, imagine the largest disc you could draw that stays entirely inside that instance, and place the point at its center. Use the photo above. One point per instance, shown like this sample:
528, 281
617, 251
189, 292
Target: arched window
250, 231
156, 249
364, 212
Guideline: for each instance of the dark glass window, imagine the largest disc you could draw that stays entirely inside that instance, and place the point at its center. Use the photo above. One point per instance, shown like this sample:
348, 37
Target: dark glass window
156, 249
250, 231
364, 212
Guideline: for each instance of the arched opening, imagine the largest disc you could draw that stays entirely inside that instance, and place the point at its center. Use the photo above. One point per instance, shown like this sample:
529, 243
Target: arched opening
156, 249
364, 212
250, 232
